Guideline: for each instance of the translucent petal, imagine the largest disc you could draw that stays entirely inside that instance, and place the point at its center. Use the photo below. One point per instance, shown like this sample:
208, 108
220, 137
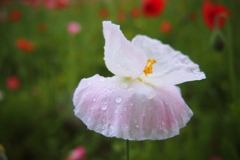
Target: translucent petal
130, 109
172, 66
122, 58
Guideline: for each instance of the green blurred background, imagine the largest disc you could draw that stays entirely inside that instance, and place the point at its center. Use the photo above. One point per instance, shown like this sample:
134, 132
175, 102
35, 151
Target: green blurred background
36, 117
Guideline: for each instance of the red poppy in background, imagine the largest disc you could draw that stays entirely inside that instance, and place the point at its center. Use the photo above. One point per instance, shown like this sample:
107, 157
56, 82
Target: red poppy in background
153, 8
121, 15
56, 4
214, 15
103, 13
135, 12
13, 83
165, 27
25, 45
42, 27
15, 15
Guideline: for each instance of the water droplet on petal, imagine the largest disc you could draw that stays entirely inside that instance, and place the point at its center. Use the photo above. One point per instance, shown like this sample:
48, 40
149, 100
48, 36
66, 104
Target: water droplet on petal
163, 123
143, 114
104, 106
124, 108
137, 126
130, 89
91, 108
118, 99
131, 104
116, 111
94, 99
124, 85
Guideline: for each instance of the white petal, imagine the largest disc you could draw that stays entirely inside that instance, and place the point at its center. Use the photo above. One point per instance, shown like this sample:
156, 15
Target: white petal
130, 109
172, 66
122, 58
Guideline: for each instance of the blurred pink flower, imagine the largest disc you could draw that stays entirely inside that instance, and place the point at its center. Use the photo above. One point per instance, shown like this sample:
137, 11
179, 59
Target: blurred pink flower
73, 27
13, 83
32, 3
77, 153
141, 100
56, 4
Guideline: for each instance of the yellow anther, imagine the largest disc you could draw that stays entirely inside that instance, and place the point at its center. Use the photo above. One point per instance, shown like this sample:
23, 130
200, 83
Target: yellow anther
148, 69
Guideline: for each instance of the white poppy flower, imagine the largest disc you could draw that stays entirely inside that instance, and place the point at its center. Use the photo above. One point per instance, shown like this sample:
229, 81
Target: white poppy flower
141, 101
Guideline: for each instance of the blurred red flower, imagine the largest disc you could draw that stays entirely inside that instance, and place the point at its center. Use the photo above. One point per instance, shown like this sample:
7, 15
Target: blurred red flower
153, 8
42, 27
25, 45
77, 153
56, 4
121, 15
214, 15
135, 12
15, 15
103, 13
13, 83
165, 27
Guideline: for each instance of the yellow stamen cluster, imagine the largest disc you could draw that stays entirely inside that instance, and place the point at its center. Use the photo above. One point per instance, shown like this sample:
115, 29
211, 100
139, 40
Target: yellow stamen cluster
148, 69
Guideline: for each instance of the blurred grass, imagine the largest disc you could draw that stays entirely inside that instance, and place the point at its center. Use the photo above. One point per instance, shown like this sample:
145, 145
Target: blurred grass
37, 121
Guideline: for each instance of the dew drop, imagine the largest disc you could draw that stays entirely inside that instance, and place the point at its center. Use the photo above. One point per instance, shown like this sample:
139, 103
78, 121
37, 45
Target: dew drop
137, 126
104, 106
94, 99
130, 89
116, 111
118, 99
124, 108
163, 123
124, 85
143, 114
91, 108
131, 104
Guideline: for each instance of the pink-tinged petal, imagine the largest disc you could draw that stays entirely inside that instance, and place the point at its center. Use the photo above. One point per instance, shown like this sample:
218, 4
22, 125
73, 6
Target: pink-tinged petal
122, 58
130, 109
172, 67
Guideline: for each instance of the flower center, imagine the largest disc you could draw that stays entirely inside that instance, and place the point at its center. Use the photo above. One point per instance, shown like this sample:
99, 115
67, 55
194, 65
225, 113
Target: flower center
148, 68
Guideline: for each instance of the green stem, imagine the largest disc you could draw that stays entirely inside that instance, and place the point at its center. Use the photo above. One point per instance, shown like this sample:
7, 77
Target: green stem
127, 149
231, 71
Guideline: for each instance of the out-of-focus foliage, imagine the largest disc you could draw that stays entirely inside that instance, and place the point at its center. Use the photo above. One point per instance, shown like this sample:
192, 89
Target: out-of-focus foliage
42, 62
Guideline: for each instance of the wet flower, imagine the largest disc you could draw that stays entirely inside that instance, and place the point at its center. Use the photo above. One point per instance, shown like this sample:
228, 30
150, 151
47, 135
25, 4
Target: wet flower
141, 100
15, 15
13, 83
153, 8
214, 15
25, 45
165, 27
73, 27
77, 153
